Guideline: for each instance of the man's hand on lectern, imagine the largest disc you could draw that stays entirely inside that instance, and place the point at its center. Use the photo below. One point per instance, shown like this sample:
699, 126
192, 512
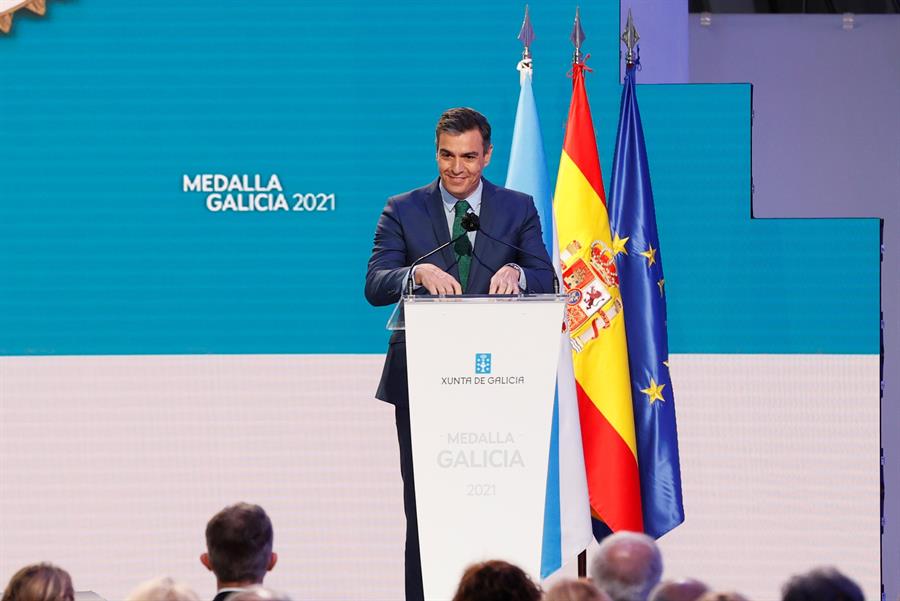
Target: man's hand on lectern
505, 281
436, 280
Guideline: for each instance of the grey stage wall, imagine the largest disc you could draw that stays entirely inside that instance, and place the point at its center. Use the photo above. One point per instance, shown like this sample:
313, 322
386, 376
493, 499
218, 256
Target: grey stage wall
826, 143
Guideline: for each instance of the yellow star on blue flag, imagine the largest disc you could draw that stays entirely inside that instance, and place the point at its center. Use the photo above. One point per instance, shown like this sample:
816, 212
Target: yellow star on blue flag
650, 253
654, 391
618, 244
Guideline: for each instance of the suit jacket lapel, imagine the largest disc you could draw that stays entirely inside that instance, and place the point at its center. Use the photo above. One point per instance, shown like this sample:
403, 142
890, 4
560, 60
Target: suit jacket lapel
479, 271
438, 216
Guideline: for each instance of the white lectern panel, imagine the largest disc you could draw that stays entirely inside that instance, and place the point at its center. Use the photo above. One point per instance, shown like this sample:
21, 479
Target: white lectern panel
482, 377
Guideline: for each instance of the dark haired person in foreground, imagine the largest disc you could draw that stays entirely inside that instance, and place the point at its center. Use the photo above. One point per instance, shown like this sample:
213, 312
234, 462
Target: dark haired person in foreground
496, 581
238, 548
417, 222
40, 582
821, 584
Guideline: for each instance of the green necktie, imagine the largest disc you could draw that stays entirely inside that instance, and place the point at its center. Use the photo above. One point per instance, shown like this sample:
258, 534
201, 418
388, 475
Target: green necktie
462, 247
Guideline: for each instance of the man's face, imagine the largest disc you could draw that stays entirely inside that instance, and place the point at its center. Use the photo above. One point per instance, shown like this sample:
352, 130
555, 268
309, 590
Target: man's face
461, 159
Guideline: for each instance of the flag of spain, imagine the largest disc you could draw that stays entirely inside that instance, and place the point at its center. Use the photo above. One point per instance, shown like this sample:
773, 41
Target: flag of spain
596, 323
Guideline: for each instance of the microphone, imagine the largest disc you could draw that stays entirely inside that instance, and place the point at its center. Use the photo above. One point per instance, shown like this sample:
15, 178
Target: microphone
469, 223
475, 223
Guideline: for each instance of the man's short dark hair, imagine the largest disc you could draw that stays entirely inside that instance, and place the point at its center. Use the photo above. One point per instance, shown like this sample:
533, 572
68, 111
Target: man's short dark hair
239, 543
460, 120
821, 584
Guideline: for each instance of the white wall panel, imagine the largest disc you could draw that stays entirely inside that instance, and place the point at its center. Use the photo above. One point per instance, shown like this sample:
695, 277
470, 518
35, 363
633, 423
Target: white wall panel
111, 466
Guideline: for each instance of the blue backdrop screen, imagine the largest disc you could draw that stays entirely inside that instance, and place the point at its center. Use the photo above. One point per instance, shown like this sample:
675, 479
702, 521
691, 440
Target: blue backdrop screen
107, 106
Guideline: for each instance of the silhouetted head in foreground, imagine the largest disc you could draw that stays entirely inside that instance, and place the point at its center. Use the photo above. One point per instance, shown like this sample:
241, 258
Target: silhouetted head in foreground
496, 581
627, 566
163, 589
40, 582
239, 546
687, 589
821, 584
575, 590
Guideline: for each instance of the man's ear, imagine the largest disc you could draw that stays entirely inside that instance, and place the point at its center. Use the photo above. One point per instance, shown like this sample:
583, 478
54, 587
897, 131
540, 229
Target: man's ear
273, 559
487, 155
204, 559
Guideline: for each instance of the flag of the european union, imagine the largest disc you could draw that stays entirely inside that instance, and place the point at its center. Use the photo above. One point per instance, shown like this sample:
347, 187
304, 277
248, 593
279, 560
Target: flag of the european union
643, 288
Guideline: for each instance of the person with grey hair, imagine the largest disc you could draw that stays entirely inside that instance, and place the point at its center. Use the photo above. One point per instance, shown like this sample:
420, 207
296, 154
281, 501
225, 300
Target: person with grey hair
821, 584
575, 590
163, 589
686, 589
258, 593
627, 566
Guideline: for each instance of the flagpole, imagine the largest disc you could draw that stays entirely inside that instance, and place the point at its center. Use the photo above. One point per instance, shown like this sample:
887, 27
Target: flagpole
567, 525
577, 59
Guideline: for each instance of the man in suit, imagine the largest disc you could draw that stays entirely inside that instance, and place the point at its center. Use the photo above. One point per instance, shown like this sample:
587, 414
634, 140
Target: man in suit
259, 593
238, 548
416, 222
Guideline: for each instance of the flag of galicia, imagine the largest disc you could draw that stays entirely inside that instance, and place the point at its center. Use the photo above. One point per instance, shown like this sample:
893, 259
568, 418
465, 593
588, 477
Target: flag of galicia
643, 288
567, 521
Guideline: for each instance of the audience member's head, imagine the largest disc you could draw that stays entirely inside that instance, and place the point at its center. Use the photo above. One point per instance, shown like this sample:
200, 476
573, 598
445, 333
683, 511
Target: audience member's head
627, 566
575, 590
239, 545
821, 584
687, 589
258, 593
722, 596
163, 589
496, 581
40, 582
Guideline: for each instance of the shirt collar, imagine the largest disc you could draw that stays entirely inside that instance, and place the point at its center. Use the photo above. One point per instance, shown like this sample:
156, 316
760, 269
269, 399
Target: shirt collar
229, 590
474, 199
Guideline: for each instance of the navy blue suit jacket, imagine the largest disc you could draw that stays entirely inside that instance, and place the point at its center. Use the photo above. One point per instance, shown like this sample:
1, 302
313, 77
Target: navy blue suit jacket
415, 223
